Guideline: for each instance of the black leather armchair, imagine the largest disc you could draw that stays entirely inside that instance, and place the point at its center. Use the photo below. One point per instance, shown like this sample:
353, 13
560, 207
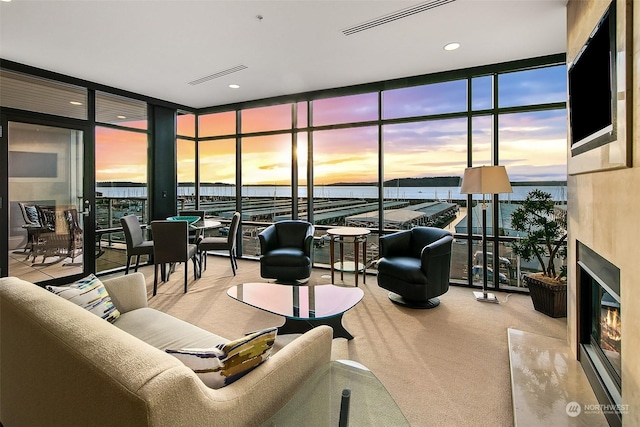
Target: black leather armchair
286, 251
415, 266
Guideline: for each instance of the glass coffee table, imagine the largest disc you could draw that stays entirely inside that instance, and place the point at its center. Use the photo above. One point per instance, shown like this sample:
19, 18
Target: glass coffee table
303, 307
319, 401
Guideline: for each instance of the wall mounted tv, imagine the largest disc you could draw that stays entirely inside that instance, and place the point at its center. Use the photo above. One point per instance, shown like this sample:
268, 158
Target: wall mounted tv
593, 89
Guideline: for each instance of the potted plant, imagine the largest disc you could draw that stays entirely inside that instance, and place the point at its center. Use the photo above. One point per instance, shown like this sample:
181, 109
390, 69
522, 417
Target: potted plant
545, 235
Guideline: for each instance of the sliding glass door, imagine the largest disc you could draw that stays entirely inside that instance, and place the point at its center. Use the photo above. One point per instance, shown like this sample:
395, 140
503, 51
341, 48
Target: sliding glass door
49, 204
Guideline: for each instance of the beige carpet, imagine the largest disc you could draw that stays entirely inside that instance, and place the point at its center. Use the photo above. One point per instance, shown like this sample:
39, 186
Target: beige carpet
448, 366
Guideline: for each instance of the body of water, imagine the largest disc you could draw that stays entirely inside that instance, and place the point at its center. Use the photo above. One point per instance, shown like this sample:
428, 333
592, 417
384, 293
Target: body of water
558, 193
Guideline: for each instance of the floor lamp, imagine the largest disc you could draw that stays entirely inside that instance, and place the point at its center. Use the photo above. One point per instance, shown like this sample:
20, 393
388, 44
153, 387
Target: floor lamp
485, 180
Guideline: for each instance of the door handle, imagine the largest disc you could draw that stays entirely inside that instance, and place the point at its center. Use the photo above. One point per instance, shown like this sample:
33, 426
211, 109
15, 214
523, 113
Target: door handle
87, 208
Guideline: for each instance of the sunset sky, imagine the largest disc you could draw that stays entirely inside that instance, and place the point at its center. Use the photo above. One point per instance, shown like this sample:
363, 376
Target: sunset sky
532, 144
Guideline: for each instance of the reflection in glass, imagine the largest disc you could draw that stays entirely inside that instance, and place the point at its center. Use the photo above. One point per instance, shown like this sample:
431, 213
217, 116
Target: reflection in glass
45, 96
606, 326
46, 198
121, 111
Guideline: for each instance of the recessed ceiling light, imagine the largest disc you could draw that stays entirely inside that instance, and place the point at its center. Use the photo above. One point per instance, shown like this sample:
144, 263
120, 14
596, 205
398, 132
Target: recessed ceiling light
75, 103
6, 1
234, 86
121, 117
452, 46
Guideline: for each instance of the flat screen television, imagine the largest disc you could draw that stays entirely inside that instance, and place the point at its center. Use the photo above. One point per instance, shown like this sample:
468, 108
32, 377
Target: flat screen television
593, 89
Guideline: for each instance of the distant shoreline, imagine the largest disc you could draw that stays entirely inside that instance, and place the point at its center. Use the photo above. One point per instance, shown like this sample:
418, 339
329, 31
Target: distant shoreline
402, 183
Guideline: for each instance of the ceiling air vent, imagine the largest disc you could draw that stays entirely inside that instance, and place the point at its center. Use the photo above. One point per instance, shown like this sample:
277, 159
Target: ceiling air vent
403, 13
218, 74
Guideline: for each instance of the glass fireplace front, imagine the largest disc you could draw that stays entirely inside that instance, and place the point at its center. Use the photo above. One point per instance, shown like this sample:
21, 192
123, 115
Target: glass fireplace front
606, 328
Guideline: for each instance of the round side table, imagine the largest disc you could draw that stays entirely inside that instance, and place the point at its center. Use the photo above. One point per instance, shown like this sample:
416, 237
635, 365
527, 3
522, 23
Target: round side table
355, 235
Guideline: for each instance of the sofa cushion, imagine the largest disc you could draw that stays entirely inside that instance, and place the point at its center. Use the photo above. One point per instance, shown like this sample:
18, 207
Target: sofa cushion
164, 331
90, 294
225, 363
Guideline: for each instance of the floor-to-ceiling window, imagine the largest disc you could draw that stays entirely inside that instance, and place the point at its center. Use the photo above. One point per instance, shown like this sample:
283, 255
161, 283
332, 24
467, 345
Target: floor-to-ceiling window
425, 150
186, 161
266, 163
531, 144
392, 157
367, 143
217, 162
121, 142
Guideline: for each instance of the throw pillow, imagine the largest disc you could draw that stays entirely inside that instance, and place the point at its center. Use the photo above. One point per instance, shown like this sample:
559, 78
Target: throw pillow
225, 363
90, 294
32, 214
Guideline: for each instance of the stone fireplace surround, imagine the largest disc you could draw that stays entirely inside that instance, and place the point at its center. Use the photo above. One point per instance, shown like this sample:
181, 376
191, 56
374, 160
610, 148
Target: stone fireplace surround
604, 208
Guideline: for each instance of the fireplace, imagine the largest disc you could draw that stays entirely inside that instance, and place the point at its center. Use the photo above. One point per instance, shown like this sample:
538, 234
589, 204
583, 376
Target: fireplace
599, 330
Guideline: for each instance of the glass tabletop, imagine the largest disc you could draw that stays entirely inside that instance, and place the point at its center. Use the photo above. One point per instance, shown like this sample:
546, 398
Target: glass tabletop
297, 302
319, 400
205, 224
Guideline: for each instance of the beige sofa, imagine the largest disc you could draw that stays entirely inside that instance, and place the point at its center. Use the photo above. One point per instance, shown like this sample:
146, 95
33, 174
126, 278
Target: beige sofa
63, 366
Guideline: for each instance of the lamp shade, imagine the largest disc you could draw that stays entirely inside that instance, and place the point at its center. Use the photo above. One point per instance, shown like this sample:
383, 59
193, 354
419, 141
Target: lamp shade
485, 180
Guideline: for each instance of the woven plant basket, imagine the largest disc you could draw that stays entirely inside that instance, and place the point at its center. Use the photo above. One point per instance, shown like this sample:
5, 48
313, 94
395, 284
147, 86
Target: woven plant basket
548, 298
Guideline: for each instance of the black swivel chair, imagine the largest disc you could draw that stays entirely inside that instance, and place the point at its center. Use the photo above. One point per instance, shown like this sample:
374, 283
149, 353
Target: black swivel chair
171, 245
286, 251
220, 244
415, 266
136, 244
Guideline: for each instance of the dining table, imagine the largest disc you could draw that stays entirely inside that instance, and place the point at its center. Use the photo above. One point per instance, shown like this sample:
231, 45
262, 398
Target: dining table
199, 227
202, 225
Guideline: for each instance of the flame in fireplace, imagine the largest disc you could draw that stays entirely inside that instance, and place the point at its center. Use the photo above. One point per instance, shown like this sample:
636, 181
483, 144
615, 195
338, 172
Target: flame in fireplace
612, 324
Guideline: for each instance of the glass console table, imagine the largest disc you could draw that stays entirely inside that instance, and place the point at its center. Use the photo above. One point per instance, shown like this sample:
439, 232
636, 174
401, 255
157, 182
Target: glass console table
319, 400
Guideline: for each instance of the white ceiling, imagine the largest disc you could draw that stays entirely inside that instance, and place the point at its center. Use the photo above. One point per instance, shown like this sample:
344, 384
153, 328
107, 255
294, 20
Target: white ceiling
155, 47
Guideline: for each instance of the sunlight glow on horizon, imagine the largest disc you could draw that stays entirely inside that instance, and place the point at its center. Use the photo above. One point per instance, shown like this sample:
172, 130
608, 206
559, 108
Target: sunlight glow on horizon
532, 143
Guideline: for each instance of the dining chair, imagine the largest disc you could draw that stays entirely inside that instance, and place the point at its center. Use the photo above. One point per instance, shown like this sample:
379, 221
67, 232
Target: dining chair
136, 244
171, 245
193, 234
220, 244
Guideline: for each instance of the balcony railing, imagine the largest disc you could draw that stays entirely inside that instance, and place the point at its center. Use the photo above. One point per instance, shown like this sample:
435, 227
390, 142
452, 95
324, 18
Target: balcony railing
510, 268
